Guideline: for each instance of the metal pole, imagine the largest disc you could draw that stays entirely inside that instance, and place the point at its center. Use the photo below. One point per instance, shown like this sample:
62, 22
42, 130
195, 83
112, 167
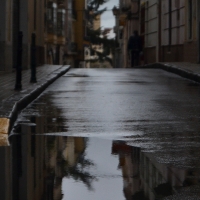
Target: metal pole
33, 59
18, 84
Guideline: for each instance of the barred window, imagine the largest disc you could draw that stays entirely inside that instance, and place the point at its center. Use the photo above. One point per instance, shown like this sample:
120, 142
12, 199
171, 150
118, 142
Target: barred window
60, 22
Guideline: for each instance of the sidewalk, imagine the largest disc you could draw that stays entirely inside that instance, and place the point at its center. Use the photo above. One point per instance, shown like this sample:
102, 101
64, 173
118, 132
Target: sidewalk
12, 102
185, 69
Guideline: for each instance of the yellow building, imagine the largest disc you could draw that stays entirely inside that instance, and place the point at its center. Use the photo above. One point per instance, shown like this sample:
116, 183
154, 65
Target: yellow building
75, 32
80, 31
70, 45
55, 31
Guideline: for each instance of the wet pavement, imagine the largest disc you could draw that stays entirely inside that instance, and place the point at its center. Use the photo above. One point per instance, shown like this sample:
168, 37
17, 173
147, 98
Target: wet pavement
107, 134
13, 101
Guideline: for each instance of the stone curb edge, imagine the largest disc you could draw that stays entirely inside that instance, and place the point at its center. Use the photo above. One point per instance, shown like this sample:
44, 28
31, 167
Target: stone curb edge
173, 69
22, 103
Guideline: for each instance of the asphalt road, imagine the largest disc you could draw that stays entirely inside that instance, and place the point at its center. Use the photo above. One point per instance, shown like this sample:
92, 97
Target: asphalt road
127, 102
147, 109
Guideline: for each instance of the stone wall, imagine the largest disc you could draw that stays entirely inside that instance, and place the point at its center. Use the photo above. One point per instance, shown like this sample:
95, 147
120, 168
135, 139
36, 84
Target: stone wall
191, 51
173, 54
149, 55
5, 57
40, 55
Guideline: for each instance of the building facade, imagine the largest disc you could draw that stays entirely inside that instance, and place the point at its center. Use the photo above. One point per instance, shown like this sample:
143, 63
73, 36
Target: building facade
55, 31
149, 13
6, 35
28, 18
80, 34
70, 45
59, 27
44, 19
192, 31
127, 20
170, 30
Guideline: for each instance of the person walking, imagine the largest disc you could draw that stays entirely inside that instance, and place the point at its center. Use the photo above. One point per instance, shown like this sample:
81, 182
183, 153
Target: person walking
134, 48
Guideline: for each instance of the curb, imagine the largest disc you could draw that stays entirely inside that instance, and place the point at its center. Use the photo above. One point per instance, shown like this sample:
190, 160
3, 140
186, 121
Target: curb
24, 101
174, 69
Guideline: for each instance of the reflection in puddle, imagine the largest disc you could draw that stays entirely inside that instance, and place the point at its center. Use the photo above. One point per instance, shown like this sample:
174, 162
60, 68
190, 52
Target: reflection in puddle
58, 167
108, 179
51, 167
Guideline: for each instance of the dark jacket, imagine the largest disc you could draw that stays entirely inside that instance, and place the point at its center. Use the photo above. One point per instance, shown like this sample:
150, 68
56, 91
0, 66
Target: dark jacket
135, 43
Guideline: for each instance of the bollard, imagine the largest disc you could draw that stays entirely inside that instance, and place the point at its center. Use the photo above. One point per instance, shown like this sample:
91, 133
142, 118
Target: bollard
18, 84
33, 59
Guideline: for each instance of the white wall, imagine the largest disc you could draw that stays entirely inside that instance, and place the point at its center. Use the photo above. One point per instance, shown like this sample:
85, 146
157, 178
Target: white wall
178, 22
151, 23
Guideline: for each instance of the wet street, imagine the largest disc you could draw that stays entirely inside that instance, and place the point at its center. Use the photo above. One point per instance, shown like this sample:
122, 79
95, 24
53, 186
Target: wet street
107, 134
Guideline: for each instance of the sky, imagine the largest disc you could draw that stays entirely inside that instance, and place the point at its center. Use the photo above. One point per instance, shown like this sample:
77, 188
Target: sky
109, 181
107, 18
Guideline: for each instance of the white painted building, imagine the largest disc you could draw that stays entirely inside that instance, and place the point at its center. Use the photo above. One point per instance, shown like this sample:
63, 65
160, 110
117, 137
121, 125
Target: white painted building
151, 30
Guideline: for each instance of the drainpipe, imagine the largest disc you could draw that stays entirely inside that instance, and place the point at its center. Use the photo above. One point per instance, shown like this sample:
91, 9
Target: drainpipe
159, 33
170, 26
199, 41
198, 30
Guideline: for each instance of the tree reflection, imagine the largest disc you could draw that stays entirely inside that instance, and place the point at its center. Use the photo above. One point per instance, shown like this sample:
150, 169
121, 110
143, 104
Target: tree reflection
79, 173
71, 159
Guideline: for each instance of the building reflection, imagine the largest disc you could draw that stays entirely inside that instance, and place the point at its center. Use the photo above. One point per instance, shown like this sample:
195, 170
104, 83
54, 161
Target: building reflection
146, 179
5, 175
39, 163
35, 163
34, 167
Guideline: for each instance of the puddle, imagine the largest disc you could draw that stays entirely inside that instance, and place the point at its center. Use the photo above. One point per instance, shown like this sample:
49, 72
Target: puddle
103, 178
95, 141
62, 167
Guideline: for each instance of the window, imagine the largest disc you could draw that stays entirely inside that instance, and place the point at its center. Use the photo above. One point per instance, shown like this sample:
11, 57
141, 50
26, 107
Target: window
52, 18
60, 22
